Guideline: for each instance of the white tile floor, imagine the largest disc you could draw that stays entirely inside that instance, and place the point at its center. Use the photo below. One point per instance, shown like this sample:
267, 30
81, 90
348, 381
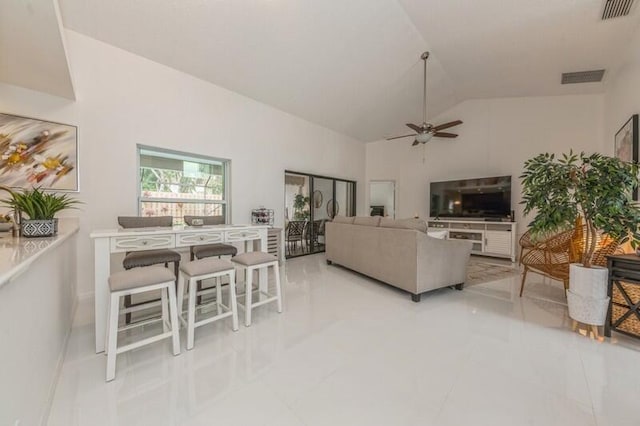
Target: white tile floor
350, 351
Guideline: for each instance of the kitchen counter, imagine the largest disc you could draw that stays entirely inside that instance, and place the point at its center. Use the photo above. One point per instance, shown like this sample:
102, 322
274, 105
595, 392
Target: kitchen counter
18, 254
37, 300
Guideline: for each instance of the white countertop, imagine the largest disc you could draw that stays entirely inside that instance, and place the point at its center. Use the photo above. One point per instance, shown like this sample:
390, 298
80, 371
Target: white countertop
173, 230
17, 254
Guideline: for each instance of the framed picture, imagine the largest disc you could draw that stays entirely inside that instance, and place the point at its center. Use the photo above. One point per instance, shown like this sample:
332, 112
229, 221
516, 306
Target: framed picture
626, 144
37, 153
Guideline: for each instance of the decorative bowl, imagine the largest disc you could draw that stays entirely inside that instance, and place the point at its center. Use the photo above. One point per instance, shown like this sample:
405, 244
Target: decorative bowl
5, 226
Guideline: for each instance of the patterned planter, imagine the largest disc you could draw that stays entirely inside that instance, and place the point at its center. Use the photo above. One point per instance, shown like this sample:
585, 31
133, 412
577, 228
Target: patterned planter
39, 228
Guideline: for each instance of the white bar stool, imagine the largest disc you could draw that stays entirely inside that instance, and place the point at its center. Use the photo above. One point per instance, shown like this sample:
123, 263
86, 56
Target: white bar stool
134, 281
252, 261
198, 270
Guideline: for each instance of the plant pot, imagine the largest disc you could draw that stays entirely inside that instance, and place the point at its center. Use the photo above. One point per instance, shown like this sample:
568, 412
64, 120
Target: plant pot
587, 310
588, 282
38, 228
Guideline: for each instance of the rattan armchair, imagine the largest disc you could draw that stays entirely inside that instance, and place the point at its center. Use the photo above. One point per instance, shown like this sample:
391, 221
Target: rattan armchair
526, 243
553, 256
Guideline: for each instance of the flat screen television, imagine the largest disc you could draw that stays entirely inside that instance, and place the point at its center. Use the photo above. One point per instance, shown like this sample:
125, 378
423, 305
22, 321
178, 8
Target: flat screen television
474, 198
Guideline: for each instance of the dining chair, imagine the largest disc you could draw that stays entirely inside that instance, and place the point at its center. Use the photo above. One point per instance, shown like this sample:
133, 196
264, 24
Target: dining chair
295, 234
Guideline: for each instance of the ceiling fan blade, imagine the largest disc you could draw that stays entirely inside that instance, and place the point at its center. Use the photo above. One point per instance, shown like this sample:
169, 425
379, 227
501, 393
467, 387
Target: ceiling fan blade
447, 125
415, 143
400, 137
417, 129
444, 135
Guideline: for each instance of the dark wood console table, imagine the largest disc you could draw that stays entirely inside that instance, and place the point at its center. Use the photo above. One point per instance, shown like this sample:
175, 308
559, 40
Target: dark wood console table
623, 315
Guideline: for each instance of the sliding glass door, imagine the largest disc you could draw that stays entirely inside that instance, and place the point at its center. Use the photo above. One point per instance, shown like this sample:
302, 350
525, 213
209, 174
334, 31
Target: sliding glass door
311, 201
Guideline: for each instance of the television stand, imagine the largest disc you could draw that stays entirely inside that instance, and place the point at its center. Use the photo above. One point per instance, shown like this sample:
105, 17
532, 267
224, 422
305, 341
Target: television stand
489, 238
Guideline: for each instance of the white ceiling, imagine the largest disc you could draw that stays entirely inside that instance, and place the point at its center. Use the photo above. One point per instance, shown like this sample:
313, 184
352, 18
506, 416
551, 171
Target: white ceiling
353, 65
32, 52
492, 48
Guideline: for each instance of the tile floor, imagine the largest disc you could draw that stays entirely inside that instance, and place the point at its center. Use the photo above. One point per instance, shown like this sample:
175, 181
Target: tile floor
351, 351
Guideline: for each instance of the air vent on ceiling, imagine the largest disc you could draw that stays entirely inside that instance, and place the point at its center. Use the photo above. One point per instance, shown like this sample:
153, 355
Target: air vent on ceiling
592, 76
616, 8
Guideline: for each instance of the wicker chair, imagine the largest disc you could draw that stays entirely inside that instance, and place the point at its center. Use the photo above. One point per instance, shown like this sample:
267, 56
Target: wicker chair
526, 243
553, 256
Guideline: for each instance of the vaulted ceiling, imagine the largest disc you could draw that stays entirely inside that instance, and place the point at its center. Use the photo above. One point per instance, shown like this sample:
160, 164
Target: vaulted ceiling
353, 65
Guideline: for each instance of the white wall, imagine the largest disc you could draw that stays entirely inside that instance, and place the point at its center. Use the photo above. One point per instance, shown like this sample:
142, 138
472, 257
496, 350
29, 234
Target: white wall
622, 96
497, 136
383, 194
124, 100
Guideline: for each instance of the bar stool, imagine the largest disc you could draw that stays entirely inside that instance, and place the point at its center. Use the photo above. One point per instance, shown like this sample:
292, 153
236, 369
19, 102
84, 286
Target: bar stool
208, 250
137, 259
252, 261
198, 270
135, 281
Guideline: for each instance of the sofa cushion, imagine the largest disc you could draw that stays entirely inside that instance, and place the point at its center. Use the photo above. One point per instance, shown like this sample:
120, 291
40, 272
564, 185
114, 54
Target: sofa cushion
440, 233
367, 220
343, 219
417, 224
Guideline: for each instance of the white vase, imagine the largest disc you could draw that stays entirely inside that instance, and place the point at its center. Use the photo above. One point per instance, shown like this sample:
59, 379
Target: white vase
586, 309
588, 282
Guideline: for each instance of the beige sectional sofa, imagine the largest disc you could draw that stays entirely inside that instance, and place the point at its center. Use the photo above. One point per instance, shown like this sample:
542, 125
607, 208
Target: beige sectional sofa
397, 252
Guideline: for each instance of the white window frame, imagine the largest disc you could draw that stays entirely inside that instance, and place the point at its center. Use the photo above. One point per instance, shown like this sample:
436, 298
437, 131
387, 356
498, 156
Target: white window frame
226, 201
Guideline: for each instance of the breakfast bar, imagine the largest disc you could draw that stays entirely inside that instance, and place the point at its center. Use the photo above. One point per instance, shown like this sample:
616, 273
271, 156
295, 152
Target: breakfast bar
108, 242
37, 302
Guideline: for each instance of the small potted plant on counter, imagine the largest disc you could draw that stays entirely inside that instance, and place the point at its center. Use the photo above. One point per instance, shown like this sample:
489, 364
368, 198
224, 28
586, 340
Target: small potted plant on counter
41, 208
596, 189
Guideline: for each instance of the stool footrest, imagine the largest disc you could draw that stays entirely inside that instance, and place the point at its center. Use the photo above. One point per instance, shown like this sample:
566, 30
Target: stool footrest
144, 342
226, 311
264, 302
212, 319
270, 298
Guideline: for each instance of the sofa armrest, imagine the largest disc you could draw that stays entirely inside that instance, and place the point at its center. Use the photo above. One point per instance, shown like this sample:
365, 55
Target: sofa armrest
441, 263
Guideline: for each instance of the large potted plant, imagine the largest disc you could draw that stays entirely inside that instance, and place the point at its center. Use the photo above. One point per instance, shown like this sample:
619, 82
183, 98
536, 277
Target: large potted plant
596, 189
300, 204
41, 208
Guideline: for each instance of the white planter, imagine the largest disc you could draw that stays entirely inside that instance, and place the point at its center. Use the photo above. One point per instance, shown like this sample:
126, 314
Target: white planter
587, 310
588, 282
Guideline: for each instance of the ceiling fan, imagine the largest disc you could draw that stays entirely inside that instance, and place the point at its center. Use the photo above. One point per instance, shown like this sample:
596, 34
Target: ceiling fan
426, 131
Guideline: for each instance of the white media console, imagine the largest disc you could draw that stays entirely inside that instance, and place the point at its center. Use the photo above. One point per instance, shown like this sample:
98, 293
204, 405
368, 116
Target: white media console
496, 239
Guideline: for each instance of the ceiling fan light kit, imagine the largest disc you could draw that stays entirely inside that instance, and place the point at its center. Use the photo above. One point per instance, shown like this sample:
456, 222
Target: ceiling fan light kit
426, 131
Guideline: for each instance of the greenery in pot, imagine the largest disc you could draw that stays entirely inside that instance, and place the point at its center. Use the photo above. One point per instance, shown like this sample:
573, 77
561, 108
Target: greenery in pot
299, 204
594, 187
38, 204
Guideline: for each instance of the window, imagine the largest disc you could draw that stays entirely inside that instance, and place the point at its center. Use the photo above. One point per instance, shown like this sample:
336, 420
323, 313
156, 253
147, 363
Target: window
178, 184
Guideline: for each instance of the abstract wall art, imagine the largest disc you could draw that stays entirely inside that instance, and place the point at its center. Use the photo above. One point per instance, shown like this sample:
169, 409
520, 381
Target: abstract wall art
37, 153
